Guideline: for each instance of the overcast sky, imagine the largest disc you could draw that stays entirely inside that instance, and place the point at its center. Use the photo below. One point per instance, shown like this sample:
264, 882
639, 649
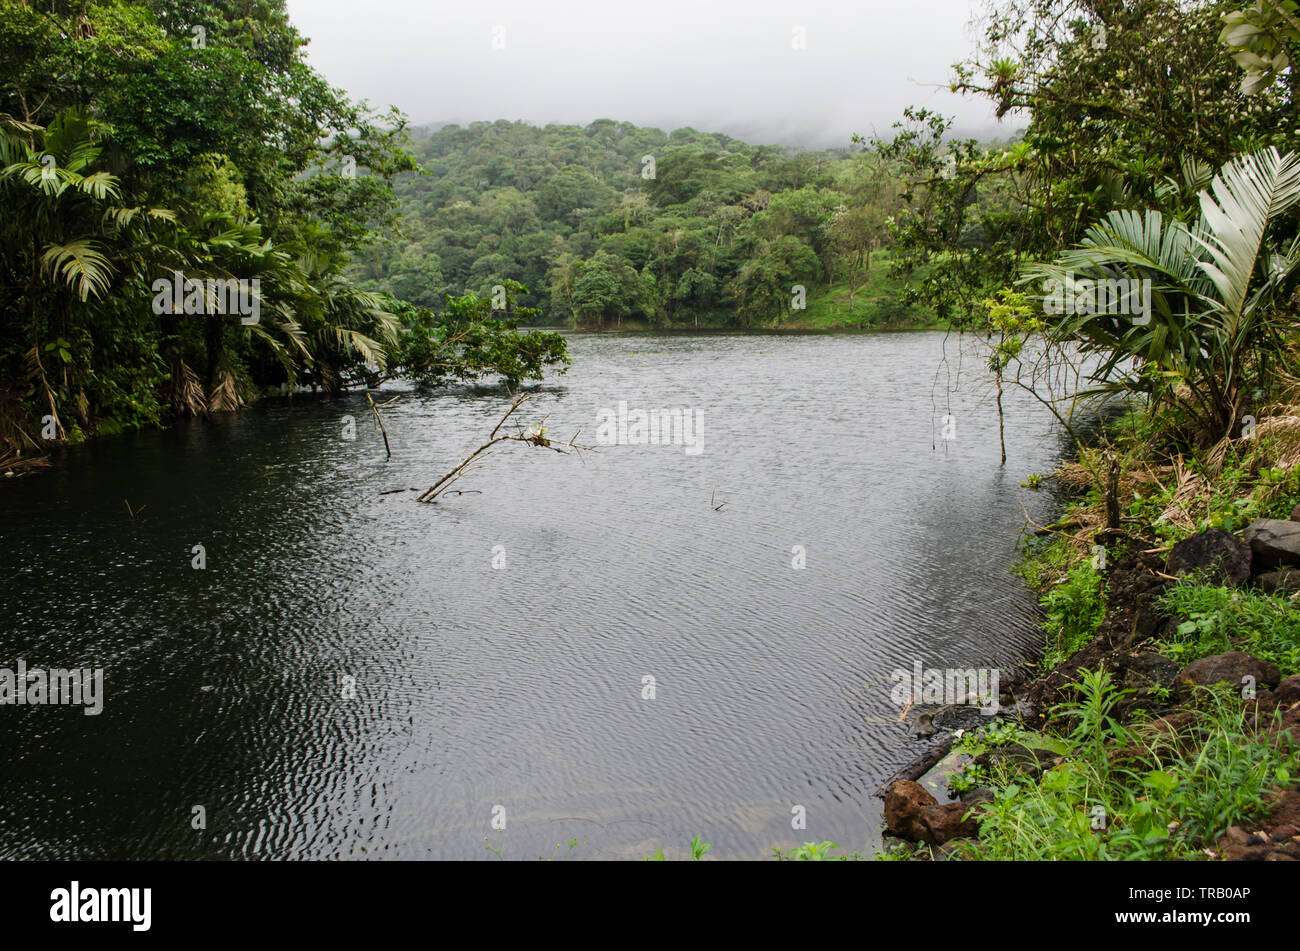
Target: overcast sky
718, 65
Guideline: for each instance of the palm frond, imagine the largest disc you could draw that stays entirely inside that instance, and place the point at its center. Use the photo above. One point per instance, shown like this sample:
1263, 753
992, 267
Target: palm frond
1248, 193
81, 265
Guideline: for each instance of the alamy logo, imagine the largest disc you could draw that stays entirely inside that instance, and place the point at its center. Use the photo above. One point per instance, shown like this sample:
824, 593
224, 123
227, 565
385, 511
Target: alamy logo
656, 427
976, 687
185, 295
103, 904
1127, 297
78, 687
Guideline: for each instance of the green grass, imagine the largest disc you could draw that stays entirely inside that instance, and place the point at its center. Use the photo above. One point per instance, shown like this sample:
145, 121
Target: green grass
876, 304
815, 852
1135, 793
1215, 620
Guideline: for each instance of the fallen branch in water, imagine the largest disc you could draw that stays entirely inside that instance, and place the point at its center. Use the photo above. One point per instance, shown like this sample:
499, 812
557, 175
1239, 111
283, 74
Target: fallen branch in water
380, 420
534, 437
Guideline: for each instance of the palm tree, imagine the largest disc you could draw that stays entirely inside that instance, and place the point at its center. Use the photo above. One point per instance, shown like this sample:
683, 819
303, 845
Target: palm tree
65, 222
1219, 287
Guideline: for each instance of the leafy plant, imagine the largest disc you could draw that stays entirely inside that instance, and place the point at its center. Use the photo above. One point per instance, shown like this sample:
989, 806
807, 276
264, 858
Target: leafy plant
814, 852
1217, 289
1215, 620
1075, 610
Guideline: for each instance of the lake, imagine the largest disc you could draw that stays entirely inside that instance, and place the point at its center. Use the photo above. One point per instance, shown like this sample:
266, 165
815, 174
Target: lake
356, 675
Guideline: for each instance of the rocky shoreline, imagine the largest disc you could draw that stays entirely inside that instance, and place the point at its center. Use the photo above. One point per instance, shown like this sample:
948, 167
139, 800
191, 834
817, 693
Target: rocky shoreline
1265, 557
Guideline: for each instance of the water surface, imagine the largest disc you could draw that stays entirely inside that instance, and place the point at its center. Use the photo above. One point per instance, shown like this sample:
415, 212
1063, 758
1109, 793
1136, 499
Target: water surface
520, 686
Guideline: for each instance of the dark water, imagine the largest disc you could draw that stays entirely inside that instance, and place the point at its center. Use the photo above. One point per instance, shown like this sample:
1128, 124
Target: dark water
520, 686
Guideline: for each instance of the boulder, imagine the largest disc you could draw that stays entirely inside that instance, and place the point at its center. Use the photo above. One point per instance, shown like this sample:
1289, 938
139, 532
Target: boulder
1218, 557
961, 717
912, 813
1284, 697
1283, 581
1274, 542
1233, 668
1016, 759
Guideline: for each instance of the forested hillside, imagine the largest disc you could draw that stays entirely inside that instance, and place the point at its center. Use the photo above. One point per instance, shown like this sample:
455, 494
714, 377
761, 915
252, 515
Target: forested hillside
159, 160
611, 223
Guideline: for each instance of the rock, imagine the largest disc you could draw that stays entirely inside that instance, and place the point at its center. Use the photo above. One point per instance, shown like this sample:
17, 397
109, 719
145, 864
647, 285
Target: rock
1218, 557
912, 813
1016, 758
905, 803
1274, 542
961, 717
1148, 673
1295, 514
1150, 670
1283, 581
1232, 667
1236, 835
1151, 678
1288, 691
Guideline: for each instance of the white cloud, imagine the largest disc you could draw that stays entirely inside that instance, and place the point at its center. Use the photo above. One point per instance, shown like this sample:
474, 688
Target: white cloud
717, 65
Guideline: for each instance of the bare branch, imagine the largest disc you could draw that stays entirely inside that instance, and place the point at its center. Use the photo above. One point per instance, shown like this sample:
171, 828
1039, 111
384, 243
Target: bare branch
533, 437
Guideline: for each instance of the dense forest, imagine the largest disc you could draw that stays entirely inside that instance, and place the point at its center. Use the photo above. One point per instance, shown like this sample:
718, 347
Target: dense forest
370, 255
610, 224
188, 144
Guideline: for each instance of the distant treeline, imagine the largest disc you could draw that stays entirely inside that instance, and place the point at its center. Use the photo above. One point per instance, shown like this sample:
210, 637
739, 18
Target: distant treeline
612, 222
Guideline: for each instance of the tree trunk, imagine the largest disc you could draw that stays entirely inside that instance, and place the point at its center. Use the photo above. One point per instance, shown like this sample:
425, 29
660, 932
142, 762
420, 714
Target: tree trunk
214, 340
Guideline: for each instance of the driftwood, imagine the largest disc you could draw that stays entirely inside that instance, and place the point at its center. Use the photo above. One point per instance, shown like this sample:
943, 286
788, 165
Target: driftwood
919, 766
534, 437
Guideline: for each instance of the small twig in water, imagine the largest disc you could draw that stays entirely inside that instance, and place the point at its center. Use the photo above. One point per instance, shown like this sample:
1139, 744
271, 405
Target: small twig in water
535, 437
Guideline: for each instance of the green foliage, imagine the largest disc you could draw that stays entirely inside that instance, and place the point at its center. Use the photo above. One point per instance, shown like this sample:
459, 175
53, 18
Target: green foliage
716, 233
1261, 38
1215, 323
962, 230
138, 140
698, 850
1075, 609
1123, 794
999, 733
1214, 620
815, 852
1242, 486
473, 338
499, 850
